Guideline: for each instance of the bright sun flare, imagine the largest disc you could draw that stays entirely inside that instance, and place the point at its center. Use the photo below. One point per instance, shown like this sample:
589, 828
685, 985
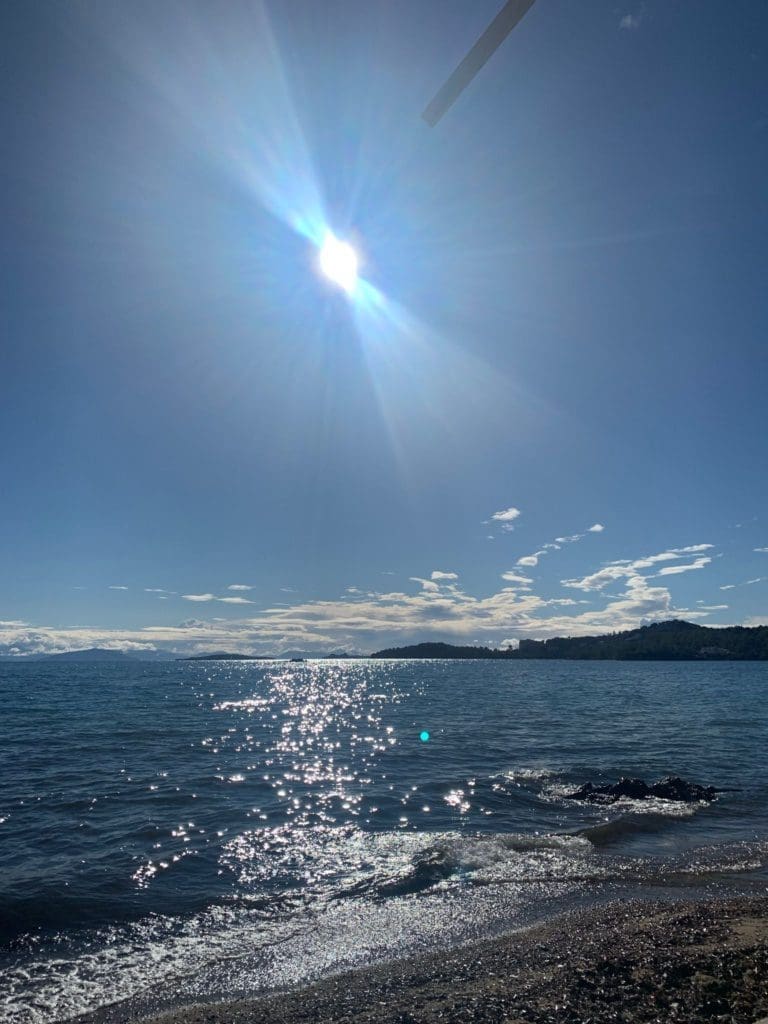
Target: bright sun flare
338, 261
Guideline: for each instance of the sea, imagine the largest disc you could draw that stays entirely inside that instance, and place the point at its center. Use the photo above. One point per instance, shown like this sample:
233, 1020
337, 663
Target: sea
182, 832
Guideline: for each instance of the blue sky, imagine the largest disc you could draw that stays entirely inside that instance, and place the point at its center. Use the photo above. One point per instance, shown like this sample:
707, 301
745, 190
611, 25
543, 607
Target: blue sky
562, 313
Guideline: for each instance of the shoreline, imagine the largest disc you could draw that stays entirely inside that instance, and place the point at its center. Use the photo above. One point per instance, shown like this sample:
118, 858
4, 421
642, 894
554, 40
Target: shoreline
632, 961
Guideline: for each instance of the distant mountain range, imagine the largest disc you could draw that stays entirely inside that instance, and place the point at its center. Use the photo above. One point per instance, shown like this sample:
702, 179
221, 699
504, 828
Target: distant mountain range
106, 654
285, 656
674, 640
96, 654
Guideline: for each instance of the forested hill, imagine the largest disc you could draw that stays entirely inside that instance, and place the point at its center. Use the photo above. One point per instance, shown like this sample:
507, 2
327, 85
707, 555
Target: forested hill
662, 641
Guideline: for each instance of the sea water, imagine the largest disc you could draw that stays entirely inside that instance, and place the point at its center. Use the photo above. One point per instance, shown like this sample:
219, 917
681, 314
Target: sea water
177, 832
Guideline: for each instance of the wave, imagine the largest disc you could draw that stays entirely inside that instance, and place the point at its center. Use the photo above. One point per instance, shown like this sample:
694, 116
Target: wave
535, 774
607, 833
393, 889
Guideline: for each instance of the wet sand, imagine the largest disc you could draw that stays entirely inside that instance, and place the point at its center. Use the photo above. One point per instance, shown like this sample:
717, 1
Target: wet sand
628, 961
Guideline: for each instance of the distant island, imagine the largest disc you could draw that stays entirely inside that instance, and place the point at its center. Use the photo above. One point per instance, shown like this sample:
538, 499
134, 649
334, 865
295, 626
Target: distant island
89, 654
285, 656
674, 640
225, 656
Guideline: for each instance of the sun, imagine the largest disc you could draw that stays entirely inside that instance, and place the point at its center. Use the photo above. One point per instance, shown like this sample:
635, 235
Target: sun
338, 261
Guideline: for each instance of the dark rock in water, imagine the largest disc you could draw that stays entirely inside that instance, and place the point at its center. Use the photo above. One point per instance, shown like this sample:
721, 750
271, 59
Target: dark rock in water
675, 788
670, 788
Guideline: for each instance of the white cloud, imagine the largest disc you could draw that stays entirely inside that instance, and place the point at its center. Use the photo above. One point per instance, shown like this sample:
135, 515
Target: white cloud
239, 586
437, 575
234, 600
513, 577
674, 570
117, 588
198, 597
596, 528
631, 22
624, 568
745, 583
158, 590
506, 515
571, 539
528, 560
369, 623
763, 551
428, 586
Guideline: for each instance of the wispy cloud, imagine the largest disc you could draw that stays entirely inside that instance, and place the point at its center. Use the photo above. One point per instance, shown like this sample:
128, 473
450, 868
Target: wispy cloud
204, 598
745, 583
628, 568
514, 577
762, 551
438, 575
117, 588
631, 22
674, 570
530, 560
158, 590
428, 586
596, 528
239, 586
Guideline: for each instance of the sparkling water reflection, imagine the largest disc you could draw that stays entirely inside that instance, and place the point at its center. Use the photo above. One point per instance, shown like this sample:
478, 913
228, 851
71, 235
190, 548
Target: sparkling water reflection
157, 821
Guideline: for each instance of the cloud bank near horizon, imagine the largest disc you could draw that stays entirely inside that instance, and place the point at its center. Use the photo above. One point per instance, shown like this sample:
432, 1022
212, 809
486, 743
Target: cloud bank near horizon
441, 608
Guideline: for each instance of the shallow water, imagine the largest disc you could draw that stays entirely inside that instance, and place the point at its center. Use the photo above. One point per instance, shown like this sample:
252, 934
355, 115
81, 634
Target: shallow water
195, 830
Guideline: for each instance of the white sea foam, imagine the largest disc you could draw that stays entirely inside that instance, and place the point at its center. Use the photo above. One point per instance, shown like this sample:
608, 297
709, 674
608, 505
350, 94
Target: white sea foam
533, 774
204, 954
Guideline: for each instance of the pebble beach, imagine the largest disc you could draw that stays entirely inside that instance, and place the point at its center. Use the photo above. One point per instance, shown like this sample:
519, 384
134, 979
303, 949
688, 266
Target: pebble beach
624, 962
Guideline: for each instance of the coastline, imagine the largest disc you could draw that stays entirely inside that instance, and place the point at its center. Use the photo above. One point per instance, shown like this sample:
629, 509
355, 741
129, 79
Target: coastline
631, 961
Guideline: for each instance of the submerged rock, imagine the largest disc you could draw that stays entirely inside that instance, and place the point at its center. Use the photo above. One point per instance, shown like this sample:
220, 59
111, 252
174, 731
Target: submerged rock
670, 788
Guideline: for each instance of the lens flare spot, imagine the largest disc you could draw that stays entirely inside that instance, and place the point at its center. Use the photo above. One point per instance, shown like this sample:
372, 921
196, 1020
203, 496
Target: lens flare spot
424, 736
